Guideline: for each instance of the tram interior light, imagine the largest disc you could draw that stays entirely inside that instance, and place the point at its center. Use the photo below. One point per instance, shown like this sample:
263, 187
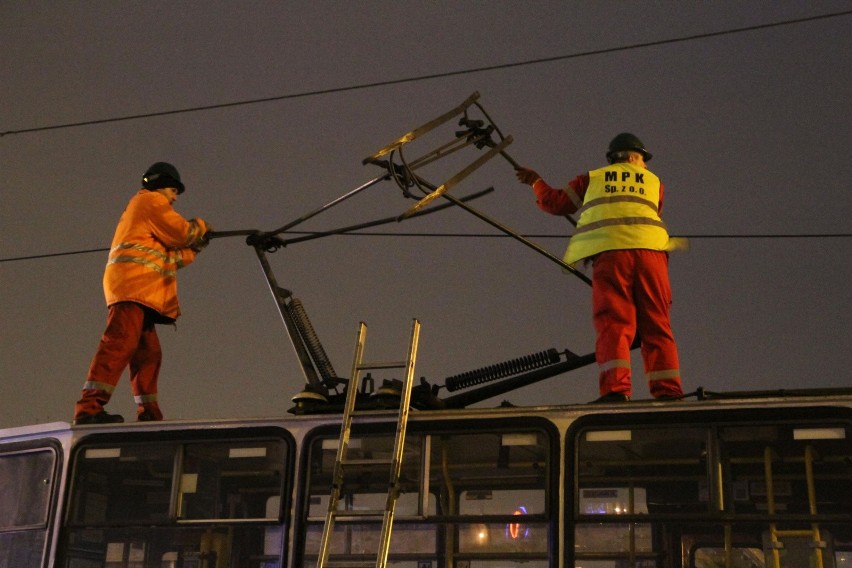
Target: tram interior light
819, 434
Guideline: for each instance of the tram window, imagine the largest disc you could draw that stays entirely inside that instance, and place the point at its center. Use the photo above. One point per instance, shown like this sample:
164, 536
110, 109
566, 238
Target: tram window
367, 474
26, 484
120, 485
363, 539
492, 473
365, 489
664, 467
792, 471
495, 474
794, 551
647, 472
209, 503
26, 480
230, 480
502, 538
740, 557
769, 469
513, 502
479, 487
170, 547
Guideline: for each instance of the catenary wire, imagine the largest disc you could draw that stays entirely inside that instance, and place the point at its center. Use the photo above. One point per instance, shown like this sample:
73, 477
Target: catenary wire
463, 235
426, 77
436, 76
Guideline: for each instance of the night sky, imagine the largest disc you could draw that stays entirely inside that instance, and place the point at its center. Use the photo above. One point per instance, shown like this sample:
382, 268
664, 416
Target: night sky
749, 131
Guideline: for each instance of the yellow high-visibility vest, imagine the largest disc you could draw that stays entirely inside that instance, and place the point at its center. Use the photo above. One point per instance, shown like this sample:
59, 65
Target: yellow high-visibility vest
620, 211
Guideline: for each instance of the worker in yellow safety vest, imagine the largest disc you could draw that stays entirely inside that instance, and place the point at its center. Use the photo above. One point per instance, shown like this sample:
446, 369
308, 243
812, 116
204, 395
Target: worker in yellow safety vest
152, 241
620, 231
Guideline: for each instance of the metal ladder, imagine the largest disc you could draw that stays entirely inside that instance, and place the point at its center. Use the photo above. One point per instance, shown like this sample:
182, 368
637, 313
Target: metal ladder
396, 462
776, 544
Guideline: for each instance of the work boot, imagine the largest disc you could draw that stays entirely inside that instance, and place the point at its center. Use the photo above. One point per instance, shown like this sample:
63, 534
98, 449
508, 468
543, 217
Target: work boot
147, 416
612, 397
102, 417
149, 412
668, 397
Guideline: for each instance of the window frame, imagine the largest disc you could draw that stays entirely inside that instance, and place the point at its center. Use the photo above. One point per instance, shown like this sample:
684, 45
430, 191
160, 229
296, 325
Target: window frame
53, 446
526, 424
713, 421
181, 439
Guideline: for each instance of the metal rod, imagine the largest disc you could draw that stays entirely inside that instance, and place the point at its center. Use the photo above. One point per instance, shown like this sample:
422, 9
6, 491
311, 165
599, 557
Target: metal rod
303, 218
450, 183
330, 204
505, 154
517, 166
302, 354
384, 221
239, 233
341, 230
512, 234
521, 239
423, 129
443, 151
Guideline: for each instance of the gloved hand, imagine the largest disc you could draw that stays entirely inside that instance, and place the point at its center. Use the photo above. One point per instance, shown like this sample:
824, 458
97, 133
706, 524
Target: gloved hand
199, 244
527, 176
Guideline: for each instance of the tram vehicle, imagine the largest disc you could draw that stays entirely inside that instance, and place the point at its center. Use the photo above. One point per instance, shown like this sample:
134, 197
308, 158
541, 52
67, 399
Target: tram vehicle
752, 481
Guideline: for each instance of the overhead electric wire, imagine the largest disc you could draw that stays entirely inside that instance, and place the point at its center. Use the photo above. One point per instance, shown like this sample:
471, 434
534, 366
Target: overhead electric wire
437, 76
463, 235
432, 75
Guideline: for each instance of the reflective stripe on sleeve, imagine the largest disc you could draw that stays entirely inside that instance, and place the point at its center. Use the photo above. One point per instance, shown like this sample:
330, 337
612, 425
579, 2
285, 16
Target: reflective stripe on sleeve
575, 199
194, 233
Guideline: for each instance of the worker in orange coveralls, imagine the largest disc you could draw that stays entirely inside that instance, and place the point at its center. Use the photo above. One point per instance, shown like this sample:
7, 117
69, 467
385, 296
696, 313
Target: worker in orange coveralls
152, 241
620, 231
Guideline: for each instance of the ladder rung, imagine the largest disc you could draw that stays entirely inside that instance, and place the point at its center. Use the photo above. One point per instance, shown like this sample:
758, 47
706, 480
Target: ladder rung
388, 365
351, 564
359, 513
367, 461
412, 518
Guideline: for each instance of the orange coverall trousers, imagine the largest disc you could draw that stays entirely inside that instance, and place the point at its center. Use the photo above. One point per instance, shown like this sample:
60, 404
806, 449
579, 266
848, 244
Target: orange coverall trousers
130, 339
630, 293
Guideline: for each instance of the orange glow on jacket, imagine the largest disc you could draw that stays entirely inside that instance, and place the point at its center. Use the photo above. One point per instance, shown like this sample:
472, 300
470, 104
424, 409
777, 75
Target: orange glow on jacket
152, 241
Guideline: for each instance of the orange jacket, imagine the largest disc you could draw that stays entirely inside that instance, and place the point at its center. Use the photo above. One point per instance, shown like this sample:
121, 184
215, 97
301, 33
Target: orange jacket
152, 241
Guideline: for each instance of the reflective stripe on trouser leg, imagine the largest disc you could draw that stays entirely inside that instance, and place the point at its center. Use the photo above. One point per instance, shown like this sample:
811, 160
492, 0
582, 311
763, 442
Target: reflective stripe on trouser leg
116, 348
653, 303
96, 386
93, 398
148, 403
145, 399
615, 376
614, 316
